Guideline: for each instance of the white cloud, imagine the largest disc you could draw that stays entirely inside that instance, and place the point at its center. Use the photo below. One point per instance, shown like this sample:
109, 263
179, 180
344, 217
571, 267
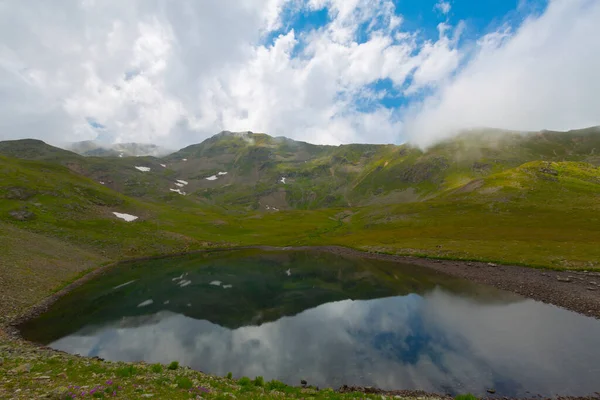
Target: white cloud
178, 73
542, 76
443, 6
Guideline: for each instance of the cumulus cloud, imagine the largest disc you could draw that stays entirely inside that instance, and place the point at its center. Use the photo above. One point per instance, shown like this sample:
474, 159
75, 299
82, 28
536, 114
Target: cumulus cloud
443, 6
544, 75
153, 71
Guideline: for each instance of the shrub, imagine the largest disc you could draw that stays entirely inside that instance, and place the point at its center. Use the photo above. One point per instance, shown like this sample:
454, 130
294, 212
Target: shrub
156, 368
244, 381
126, 372
183, 382
259, 381
174, 365
229, 375
276, 385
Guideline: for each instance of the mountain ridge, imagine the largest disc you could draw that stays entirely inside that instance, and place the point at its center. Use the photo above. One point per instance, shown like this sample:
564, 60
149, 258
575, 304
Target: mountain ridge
254, 171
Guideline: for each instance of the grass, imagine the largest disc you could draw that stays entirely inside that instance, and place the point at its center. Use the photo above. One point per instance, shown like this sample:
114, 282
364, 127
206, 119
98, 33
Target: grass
467, 396
503, 208
520, 216
156, 368
173, 365
33, 373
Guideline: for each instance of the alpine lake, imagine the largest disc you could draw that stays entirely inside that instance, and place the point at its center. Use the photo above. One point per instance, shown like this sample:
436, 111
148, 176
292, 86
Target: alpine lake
328, 319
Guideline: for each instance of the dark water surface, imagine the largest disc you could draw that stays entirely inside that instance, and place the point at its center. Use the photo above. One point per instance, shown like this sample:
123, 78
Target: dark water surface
331, 320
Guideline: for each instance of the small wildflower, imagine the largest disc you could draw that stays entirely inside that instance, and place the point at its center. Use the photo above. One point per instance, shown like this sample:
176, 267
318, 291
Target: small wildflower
109, 382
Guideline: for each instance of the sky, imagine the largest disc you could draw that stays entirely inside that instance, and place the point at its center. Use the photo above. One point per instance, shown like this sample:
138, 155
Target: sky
322, 71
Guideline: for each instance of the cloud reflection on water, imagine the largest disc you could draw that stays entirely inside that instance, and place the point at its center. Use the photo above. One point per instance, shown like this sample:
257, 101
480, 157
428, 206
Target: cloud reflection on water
438, 342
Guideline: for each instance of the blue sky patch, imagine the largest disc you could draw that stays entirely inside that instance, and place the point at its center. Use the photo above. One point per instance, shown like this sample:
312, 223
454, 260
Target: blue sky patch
95, 124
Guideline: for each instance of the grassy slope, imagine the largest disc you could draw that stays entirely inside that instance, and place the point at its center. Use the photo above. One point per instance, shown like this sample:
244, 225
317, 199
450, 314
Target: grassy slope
358, 174
537, 213
522, 216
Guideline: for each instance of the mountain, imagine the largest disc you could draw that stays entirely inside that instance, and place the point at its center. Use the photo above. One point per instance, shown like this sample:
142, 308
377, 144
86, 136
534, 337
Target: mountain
92, 148
256, 171
253, 171
33, 149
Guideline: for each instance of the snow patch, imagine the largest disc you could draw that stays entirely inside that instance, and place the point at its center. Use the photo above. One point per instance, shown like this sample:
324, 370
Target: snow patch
163, 165
289, 272
146, 303
182, 182
216, 283
184, 159
166, 302
126, 217
222, 173
143, 169
178, 277
184, 283
121, 155
102, 183
212, 178
227, 286
124, 284
179, 184
178, 191
282, 180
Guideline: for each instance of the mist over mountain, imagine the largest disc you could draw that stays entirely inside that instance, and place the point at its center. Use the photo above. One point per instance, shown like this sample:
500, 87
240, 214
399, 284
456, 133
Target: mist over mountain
93, 148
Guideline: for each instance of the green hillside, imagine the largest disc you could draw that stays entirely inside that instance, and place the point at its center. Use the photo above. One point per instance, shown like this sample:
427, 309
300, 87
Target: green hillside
251, 171
532, 199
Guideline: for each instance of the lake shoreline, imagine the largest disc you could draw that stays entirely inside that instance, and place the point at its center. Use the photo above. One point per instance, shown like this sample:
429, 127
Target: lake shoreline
566, 289
577, 291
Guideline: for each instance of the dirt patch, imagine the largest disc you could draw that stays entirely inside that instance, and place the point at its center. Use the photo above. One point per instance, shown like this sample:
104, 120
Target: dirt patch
22, 214
19, 193
275, 200
471, 186
490, 190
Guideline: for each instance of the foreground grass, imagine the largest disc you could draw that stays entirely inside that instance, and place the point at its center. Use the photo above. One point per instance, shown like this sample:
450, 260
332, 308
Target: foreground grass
27, 372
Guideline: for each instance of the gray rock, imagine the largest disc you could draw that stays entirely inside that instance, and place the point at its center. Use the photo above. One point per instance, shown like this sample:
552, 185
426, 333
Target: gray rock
22, 215
561, 279
22, 368
549, 171
59, 393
